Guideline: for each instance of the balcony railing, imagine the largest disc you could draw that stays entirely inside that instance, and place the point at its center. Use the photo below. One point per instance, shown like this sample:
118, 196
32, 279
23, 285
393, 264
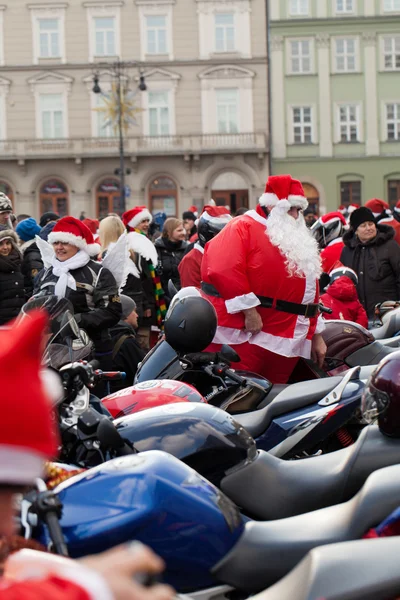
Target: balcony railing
141, 146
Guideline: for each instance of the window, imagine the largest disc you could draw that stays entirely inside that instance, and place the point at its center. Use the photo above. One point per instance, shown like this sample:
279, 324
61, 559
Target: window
225, 32
104, 28
300, 56
391, 53
391, 5
393, 121
103, 127
53, 197
159, 113
349, 123
298, 8
156, 34
49, 38
52, 116
108, 198
344, 7
393, 192
163, 196
227, 110
350, 192
345, 55
302, 124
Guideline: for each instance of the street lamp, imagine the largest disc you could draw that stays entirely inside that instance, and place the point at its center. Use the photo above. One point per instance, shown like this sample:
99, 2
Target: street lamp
117, 70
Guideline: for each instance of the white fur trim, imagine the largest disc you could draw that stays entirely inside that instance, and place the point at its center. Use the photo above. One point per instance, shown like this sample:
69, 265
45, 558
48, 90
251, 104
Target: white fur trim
142, 216
244, 302
253, 214
397, 209
320, 325
268, 199
20, 466
225, 217
198, 247
142, 245
284, 346
338, 240
74, 240
299, 201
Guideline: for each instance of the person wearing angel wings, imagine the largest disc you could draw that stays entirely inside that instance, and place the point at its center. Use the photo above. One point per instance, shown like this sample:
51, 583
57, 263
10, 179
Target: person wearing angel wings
91, 287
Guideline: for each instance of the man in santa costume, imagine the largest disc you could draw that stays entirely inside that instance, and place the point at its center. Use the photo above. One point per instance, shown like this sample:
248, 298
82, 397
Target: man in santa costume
212, 220
328, 232
137, 222
261, 274
383, 214
27, 439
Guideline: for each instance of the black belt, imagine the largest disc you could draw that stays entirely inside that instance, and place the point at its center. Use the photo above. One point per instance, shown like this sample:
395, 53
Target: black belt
305, 310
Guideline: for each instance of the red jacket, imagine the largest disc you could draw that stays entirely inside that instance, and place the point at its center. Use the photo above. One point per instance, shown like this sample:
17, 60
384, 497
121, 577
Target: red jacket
342, 298
331, 254
190, 267
51, 588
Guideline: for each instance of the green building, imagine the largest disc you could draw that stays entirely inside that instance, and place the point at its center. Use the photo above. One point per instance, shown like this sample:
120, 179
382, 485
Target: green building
335, 97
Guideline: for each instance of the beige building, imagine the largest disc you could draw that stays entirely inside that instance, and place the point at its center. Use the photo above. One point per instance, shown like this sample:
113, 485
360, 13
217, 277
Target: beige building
202, 130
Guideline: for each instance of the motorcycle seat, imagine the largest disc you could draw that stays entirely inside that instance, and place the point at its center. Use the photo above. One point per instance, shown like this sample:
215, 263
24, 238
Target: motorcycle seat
344, 571
267, 551
272, 488
291, 398
390, 327
371, 354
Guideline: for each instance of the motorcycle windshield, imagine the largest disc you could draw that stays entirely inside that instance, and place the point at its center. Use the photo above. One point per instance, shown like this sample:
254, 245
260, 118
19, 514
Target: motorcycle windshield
162, 362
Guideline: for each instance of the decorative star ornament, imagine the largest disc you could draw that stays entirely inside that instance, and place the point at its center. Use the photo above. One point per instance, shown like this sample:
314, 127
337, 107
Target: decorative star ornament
110, 108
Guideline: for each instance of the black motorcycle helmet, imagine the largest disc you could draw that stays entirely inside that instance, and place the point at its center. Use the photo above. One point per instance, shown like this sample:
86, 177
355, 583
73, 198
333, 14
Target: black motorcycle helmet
381, 397
328, 228
191, 322
212, 220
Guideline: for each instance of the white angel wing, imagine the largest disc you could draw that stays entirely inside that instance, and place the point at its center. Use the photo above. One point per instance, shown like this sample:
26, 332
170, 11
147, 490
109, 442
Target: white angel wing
46, 251
117, 260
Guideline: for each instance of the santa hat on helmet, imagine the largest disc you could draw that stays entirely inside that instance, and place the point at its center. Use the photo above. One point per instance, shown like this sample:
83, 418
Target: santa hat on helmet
27, 435
132, 218
215, 212
397, 207
73, 231
283, 191
332, 217
378, 207
193, 209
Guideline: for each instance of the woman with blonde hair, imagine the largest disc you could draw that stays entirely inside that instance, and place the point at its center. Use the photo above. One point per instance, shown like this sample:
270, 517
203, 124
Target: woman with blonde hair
110, 230
170, 248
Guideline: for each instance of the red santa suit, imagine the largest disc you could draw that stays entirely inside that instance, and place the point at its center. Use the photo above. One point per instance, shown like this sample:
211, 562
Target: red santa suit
331, 254
242, 263
190, 267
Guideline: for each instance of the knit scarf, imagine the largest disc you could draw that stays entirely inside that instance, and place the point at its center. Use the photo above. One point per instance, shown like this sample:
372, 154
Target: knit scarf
161, 307
61, 269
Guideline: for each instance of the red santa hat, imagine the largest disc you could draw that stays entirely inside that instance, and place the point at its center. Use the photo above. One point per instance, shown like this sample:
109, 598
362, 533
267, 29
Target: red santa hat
397, 207
285, 191
352, 207
93, 225
27, 433
378, 206
215, 212
193, 209
73, 231
332, 217
132, 218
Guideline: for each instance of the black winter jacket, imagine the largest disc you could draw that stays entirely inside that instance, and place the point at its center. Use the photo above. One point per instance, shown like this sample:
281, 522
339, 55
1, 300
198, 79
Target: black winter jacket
377, 264
95, 299
32, 264
12, 293
127, 356
170, 255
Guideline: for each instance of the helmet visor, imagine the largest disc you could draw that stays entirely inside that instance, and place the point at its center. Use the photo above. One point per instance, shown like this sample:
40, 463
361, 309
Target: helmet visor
373, 403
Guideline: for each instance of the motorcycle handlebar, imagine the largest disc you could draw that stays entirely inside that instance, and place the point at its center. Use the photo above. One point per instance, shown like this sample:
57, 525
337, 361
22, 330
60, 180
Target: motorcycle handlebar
110, 375
205, 358
56, 534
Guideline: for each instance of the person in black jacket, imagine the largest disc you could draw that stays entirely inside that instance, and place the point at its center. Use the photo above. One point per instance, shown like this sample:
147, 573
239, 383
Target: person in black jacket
32, 262
12, 293
90, 287
370, 250
127, 354
170, 248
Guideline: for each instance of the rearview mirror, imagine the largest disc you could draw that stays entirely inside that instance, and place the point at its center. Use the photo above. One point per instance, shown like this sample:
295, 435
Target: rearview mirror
229, 354
108, 435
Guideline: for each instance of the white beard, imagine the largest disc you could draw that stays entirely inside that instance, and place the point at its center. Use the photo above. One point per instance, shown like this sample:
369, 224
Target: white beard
296, 243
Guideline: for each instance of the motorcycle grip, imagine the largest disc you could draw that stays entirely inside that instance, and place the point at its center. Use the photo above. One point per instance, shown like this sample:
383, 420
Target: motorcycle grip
202, 358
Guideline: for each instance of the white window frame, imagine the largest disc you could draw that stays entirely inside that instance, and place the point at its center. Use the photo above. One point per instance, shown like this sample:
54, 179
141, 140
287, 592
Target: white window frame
289, 62
158, 107
103, 9
338, 123
390, 11
4, 89
237, 90
392, 36
345, 12
291, 124
298, 4
158, 80
219, 77
2, 9
40, 97
55, 11
156, 29
155, 9
110, 133
49, 83
206, 10
225, 50
334, 55
385, 137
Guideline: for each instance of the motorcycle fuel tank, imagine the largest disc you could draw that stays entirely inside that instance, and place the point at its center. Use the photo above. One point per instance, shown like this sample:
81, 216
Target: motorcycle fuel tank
204, 437
158, 500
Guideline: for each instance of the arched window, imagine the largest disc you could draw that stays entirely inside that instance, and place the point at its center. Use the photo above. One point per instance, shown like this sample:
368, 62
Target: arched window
230, 189
108, 198
6, 189
163, 196
54, 197
312, 196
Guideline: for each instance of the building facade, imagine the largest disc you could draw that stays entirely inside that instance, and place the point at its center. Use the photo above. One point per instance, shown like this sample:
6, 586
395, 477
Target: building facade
335, 97
201, 130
